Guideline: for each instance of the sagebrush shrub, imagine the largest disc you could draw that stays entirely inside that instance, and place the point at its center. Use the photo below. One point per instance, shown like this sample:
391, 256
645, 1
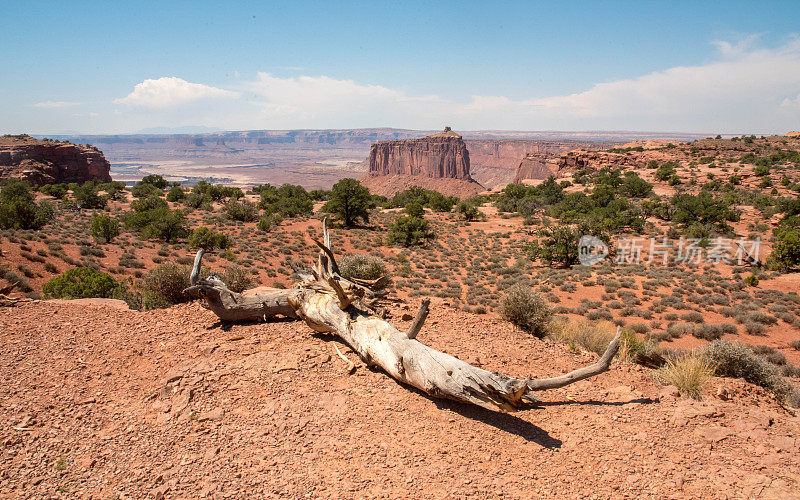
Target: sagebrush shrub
738, 361
163, 285
527, 309
362, 266
591, 335
237, 279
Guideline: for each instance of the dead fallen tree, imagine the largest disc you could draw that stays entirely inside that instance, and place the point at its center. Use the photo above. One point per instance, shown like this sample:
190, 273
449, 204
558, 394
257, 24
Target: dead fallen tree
330, 303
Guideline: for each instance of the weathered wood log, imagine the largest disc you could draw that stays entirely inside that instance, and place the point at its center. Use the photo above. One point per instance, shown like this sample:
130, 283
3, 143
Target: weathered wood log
232, 306
330, 303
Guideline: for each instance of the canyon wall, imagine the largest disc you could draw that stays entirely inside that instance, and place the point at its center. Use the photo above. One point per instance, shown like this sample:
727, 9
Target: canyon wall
537, 166
496, 162
47, 162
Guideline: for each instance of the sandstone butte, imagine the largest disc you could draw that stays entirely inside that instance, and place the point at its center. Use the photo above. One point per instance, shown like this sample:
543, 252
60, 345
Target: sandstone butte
46, 162
439, 161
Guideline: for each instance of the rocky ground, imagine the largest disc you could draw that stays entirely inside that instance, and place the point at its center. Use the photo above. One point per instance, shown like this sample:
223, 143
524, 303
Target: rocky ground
101, 402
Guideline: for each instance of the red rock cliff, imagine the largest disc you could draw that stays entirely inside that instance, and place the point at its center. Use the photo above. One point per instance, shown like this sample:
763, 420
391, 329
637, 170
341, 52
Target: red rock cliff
46, 162
536, 166
441, 156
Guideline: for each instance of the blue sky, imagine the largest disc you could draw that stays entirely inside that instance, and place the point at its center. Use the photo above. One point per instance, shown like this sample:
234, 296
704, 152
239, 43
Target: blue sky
118, 67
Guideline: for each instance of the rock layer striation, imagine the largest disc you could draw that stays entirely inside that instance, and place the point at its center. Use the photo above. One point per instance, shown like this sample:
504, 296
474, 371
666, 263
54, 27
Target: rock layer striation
46, 162
440, 156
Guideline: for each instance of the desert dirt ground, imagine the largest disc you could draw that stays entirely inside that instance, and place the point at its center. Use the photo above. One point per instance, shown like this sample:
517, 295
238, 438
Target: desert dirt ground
98, 401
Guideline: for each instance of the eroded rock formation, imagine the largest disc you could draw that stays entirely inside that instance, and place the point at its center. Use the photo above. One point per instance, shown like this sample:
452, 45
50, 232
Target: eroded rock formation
439, 161
572, 161
46, 162
440, 156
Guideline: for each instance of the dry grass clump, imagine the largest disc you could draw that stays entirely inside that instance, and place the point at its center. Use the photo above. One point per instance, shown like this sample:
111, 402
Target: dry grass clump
595, 336
591, 335
689, 373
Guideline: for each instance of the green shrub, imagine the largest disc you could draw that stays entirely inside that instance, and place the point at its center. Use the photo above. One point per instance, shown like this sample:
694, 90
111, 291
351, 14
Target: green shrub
18, 210
702, 208
468, 210
113, 189
54, 190
215, 192
349, 202
205, 237
153, 219
269, 222
560, 246
244, 211
145, 190
761, 170
288, 200
104, 228
319, 195
527, 309
80, 282
415, 210
155, 180
636, 187
176, 194
432, 199
197, 200
409, 231
666, 171
86, 196
785, 250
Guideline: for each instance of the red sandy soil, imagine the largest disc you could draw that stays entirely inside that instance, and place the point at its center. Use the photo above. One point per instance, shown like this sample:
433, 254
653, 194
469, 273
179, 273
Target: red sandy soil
102, 402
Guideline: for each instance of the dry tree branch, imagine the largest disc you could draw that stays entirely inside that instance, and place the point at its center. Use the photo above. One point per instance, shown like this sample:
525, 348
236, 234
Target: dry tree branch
330, 303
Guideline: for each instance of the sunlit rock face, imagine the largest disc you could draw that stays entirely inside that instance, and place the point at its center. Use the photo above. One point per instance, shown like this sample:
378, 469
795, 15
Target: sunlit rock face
441, 156
46, 162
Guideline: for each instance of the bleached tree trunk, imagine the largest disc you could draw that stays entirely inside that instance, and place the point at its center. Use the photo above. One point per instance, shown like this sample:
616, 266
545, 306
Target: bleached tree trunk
330, 303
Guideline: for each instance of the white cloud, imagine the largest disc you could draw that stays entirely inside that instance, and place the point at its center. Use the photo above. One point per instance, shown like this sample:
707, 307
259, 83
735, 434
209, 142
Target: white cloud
171, 91
56, 104
744, 89
736, 48
791, 102
322, 101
